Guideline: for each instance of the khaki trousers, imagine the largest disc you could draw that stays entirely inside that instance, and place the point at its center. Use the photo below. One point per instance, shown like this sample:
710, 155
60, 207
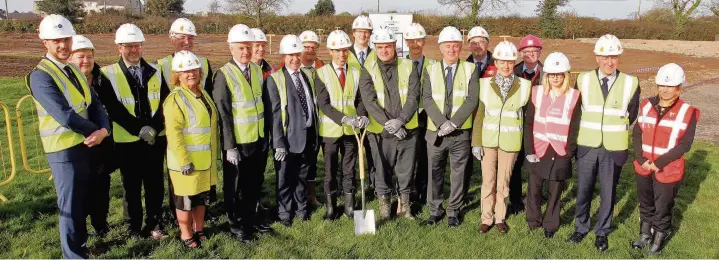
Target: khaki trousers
496, 171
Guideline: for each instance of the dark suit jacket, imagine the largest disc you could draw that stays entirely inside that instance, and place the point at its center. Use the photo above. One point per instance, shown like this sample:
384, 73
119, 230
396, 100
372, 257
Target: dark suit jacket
295, 140
464, 112
536, 79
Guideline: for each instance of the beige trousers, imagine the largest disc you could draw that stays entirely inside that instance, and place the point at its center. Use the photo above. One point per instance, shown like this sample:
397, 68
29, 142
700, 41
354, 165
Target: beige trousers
496, 170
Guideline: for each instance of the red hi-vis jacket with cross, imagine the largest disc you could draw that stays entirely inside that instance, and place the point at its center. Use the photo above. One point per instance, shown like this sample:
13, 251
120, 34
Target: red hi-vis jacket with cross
552, 119
659, 135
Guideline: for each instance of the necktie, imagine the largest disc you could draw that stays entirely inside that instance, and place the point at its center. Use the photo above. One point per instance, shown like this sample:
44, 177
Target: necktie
301, 93
342, 77
605, 86
73, 79
419, 69
479, 66
449, 81
246, 73
361, 60
135, 71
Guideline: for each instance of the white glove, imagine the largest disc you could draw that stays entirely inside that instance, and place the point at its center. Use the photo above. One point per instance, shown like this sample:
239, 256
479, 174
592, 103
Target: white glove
361, 122
147, 133
478, 152
393, 125
532, 158
348, 120
401, 133
446, 128
280, 154
188, 169
233, 156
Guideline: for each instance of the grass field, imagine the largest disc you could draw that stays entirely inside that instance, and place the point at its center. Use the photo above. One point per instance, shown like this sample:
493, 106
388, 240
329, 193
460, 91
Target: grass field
29, 222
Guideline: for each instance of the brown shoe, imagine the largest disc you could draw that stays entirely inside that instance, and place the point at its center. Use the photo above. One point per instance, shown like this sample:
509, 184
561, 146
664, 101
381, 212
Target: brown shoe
502, 228
484, 228
158, 234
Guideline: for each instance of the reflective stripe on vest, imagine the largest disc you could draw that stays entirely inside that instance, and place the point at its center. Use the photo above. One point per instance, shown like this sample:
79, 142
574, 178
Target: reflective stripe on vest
503, 120
122, 90
197, 131
605, 122
53, 135
460, 90
247, 106
279, 78
165, 65
552, 119
342, 99
404, 68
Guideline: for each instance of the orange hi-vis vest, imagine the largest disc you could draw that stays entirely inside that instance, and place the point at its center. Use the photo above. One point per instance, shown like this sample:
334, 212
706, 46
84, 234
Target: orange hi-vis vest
552, 119
659, 135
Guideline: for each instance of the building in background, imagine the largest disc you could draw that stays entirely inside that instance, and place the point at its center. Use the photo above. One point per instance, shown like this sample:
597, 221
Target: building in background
134, 6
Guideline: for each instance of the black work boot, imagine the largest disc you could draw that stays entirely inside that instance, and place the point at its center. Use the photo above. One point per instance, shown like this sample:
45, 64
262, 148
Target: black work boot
331, 205
384, 206
645, 236
349, 204
658, 242
406, 209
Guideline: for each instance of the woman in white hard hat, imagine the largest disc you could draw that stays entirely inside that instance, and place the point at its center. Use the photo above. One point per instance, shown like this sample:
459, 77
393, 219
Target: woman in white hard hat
83, 56
663, 134
192, 136
550, 141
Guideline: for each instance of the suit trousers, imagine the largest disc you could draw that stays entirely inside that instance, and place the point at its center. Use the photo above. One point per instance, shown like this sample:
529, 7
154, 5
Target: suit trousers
141, 165
241, 189
515, 182
496, 171
596, 163
393, 156
459, 153
72, 180
656, 201
421, 175
332, 148
99, 200
292, 174
550, 221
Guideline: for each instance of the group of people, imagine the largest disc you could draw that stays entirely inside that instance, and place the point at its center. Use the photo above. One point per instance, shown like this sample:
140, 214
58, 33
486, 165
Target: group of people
141, 116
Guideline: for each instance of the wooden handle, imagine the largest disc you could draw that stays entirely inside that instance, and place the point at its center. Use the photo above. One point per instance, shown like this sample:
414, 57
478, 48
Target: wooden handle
360, 151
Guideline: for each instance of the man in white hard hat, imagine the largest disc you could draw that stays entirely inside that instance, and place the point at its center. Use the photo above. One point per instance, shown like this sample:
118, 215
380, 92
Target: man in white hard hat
259, 50
133, 100
478, 39
390, 92
71, 121
340, 111
449, 94
102, 159
610, 104
310, 43
238, 94
414, 37
361, 31
497, 133
663, 134
183, 37
293, 117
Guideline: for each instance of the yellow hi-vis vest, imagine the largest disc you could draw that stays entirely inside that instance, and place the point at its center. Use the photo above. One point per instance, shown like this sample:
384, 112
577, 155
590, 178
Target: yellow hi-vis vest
404, 67
200, 146
341, 99
124, 95
605, 122
353, 60
279, 78
247, 107
165, 65
460, 89
54, 136
503, 120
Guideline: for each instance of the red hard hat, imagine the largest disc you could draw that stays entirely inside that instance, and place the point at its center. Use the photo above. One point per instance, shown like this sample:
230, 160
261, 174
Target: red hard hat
530, 41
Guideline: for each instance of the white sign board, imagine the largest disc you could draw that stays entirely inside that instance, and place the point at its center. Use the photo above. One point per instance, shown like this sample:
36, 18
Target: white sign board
393, 22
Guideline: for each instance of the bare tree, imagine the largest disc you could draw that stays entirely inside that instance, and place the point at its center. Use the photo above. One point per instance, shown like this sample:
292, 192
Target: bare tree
473, 8
214, 6
682, 11
257, 9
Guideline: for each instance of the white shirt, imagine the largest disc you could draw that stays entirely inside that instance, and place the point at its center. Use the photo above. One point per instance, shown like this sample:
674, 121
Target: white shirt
310, 103
240, 65
313, 65
359, 49
58, 63
611, 78
337, 69
454, 67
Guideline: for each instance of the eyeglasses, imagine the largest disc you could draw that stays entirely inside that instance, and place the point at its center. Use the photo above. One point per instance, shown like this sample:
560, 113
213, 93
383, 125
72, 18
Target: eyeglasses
532, 52
184, 37
555, 76
307, 48
479, 42
131, 46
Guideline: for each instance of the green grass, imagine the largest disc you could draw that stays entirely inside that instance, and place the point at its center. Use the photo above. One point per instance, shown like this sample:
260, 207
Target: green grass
29, 223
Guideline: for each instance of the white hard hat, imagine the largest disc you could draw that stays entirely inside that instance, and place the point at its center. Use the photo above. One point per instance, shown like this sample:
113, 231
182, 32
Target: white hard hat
383, 36
183, 26
291, 44
608, 45
80, 42
670, 75
184, 61
309, 36
449, 34
55, 26
362, 22
505, 50
240, 33
556, 62
259, 35
128, 33
338, 40
477, 31
415, 31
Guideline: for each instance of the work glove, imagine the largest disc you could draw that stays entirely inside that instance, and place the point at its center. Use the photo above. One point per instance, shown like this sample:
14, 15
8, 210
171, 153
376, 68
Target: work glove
401, 133
147, 133
348, 120
446, 128
280, 154
393, 125
478, 152
361, 121
532, 158
188, 169
233, 156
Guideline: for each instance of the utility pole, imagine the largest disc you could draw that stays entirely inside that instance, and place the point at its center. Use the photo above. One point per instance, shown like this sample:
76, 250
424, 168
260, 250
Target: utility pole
639, 10
104, 9
378, 6
7, 11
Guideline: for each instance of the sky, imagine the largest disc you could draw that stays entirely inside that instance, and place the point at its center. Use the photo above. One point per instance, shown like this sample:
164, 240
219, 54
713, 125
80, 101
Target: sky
606, 9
